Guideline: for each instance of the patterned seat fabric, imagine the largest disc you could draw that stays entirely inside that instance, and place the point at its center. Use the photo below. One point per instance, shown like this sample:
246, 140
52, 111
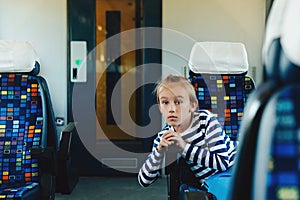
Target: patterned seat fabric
282, 181
225, 96
21, 129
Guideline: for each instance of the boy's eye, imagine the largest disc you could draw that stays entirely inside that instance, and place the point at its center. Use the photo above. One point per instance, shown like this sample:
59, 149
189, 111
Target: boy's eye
178, 102
164, 102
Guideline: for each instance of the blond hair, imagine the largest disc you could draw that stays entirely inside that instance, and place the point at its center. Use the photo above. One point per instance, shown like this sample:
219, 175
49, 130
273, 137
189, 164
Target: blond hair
177, 79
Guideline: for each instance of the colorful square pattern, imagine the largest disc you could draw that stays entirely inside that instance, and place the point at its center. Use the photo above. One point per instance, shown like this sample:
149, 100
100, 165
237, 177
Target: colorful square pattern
21, 121
284, 164
225, 96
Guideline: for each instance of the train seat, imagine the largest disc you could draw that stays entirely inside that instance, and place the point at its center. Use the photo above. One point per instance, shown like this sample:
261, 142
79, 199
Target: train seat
218, 72
29, 143
274, 110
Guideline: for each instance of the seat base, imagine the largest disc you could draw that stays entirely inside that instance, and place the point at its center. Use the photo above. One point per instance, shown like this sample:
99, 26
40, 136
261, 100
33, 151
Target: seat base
220, 184
28, 191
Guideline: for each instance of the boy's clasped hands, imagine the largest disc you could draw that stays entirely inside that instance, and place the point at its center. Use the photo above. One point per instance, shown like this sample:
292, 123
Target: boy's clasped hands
169, 138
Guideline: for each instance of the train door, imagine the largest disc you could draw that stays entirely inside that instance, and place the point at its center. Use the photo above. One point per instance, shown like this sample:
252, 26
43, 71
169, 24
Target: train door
110, 90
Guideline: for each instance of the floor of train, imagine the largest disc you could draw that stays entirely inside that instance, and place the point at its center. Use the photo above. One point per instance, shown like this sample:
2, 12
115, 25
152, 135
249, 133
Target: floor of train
124, 188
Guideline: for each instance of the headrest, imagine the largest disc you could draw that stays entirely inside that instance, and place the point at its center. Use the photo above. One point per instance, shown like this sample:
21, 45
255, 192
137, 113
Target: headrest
281, 47
18, 56
218, 57
274, 24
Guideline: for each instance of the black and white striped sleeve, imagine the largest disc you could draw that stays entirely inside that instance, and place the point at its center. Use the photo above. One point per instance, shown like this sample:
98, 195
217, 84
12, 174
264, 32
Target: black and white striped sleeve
150, 170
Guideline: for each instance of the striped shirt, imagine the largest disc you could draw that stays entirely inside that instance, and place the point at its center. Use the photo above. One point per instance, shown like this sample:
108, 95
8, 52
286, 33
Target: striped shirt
207, 152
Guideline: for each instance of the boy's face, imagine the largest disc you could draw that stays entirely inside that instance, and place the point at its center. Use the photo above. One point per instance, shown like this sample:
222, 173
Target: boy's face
175, 106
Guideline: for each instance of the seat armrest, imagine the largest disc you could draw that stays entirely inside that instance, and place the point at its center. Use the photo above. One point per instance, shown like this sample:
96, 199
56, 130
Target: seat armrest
171, 160
67, 177
65, 142
172, 170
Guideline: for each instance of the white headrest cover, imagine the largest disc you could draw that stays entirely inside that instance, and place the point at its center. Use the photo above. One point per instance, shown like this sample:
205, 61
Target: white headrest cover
218, 57
290, 39
274, 24
16, 56
283, 23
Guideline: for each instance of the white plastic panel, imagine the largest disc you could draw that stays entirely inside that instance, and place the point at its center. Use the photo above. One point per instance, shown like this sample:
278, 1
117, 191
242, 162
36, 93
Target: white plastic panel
78, 61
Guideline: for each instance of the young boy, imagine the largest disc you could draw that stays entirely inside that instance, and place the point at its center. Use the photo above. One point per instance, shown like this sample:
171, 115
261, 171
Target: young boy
196, 133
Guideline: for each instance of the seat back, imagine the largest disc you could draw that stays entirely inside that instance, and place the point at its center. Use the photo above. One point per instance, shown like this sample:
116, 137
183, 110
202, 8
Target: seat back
21, 122
28, 137
218, 72
276, 170
271, 130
